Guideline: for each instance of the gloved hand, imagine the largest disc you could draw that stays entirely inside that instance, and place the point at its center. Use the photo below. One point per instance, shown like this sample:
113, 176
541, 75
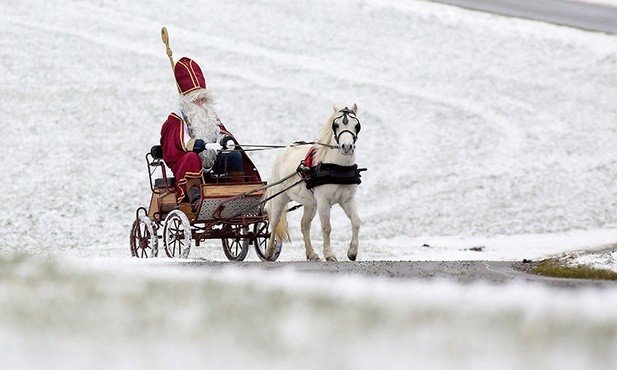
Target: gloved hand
199, 146
227, 142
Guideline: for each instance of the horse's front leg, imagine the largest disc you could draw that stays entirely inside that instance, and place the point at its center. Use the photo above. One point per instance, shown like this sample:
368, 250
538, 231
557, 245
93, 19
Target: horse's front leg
326, 229
305, 224
352, 212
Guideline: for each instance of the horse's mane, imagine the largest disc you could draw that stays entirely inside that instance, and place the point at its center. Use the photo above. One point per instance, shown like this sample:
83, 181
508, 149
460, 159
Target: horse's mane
325, 137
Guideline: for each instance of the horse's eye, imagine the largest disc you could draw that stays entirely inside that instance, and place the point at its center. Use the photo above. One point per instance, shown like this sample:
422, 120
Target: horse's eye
335, 125
358, 127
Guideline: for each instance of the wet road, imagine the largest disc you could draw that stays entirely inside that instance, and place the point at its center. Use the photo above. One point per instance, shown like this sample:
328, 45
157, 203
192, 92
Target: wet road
585, 16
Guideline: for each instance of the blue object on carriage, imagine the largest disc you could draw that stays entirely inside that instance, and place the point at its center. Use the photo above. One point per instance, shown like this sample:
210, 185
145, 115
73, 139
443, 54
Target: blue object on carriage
228, 162
330, 173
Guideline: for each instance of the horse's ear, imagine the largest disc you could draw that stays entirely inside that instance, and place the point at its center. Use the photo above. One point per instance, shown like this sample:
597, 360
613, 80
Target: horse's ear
355, 108
336, 109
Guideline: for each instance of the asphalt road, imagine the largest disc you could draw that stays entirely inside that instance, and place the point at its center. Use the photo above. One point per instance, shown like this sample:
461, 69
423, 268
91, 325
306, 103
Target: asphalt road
576, 14
491, 272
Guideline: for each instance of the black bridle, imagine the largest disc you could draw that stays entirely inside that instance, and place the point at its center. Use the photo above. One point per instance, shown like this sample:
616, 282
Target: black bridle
347, 115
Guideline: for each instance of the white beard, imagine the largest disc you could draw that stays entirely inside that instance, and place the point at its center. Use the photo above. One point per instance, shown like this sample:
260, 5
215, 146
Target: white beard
202, 124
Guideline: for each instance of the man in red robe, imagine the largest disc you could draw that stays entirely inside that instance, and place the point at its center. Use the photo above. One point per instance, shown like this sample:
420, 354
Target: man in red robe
194, 140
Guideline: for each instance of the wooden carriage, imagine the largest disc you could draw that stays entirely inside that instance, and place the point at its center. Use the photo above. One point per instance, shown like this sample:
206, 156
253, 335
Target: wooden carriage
230, 209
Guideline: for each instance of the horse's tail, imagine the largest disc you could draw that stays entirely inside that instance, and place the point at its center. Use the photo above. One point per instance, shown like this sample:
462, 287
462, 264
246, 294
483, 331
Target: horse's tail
280, 230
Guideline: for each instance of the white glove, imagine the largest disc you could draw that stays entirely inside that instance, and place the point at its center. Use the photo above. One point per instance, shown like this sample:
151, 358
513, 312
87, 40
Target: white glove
229, 145
214, 146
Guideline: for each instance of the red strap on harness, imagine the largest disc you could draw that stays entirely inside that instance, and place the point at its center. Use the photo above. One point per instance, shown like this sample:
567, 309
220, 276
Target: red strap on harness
309, 159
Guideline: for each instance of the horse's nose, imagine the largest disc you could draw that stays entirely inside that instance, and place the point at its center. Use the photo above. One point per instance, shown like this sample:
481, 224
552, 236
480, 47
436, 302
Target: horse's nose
348, 148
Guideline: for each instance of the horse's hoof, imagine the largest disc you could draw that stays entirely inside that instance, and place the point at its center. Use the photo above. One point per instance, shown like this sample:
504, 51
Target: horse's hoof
331, 259
313, 258
352, 257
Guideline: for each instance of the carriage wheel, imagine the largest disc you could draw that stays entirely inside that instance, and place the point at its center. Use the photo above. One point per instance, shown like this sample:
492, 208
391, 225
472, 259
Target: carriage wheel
144, 242
260, 242
237, 247
177, 237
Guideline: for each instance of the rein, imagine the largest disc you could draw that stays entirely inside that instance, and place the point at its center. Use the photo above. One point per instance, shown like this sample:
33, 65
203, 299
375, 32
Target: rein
346, 115
259, 147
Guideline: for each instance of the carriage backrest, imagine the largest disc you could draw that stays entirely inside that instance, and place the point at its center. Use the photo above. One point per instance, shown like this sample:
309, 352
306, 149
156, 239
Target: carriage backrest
156, 164
156, 152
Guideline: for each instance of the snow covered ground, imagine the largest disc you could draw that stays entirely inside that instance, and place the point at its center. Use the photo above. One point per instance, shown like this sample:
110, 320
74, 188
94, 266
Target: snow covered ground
478, 130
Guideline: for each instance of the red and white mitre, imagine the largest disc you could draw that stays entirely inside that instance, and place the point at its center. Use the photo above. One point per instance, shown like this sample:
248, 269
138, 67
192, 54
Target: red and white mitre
189, 76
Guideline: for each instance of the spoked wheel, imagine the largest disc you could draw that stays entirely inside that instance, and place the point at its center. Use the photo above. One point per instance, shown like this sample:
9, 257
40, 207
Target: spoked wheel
144, 242
177, 237
237, 247
260, 242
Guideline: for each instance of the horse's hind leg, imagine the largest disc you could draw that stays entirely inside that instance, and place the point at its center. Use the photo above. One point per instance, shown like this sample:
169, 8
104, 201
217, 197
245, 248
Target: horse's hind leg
352, 212
305, 224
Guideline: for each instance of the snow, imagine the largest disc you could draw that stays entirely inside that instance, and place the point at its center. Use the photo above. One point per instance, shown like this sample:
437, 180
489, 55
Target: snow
478, 131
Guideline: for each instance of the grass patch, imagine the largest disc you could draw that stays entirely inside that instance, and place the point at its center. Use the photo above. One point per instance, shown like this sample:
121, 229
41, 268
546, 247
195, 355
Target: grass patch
556, 268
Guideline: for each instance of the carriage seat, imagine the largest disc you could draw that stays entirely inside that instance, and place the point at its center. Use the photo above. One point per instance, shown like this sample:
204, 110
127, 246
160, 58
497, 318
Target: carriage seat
157, 155
160, 182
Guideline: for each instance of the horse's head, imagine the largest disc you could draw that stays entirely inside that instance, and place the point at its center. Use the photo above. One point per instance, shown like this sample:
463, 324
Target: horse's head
345, 129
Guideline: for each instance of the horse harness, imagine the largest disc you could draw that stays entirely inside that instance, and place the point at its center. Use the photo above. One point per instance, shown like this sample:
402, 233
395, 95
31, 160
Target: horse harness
330, 173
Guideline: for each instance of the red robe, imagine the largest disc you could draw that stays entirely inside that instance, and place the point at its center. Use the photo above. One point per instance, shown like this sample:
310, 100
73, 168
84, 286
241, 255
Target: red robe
186, 164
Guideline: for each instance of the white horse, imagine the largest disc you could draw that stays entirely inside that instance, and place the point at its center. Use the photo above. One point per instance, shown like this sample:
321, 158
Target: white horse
336, 145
